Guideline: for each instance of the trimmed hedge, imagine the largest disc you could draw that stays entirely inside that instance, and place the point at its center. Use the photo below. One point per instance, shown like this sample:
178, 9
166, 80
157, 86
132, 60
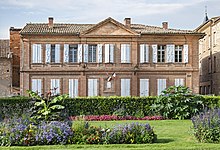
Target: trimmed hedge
134, 106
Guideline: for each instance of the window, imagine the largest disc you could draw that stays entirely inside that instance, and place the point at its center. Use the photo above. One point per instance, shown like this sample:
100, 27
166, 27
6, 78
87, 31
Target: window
161, 53
179, 82
109, 53
161, 85
52, 53
36, 53
178, 53
36, 86
73, 88
73, 56
144, 87
92, 87
144, 53
55, 87
92, 53
125, 53
125, 87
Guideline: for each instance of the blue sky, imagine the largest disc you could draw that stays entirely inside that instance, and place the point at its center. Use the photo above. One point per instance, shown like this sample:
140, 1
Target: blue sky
181, 14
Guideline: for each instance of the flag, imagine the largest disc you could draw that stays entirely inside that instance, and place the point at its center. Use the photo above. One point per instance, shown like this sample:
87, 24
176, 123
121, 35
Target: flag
114, 75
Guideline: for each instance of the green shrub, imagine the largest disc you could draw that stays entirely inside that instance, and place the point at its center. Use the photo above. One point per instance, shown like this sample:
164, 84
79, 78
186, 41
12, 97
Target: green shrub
133, 133
206, 126
177, 103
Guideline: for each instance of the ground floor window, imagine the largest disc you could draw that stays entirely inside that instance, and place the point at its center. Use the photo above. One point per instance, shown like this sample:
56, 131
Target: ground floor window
125, 87
36, 86
179, 82
55, 87
161, 85
92, 87
144, 87
73, 88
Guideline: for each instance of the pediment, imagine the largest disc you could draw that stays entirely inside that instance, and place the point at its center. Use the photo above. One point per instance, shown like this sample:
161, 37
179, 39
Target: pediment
109, 27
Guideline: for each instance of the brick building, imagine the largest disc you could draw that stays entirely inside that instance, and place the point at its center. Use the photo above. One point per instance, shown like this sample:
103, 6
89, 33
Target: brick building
209, 56
107, 58
5, 68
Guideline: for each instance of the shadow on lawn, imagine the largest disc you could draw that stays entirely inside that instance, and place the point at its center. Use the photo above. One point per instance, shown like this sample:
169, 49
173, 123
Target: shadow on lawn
164, 140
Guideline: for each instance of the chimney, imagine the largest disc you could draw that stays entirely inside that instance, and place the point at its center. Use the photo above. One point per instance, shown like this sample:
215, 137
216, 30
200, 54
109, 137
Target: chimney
50, 22
127, 22
165, 25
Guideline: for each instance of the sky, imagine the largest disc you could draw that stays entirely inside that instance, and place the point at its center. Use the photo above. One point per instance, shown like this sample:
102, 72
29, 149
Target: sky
180, 14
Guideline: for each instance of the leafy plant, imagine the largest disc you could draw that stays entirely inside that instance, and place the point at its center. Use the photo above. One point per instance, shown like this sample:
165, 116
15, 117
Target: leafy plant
48, 106
206, 126
177, 102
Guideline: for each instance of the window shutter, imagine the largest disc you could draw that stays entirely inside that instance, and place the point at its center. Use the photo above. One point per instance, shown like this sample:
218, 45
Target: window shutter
55, 83
169, 53
85, 46
185, 49
146, 53
123, 87
92, 87
107, 47
75, 87
79, 52
142, 53
39, 86
161, 85
95, 87
57, 53
154, 47
128, 53
34, 85
144, 87
71, 88
34, 53
66, 53
39, 54
179, 82
111, 53
123, 53
99, 53
48, 51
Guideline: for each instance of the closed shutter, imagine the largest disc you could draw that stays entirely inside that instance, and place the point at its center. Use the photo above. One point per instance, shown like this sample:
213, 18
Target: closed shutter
185, 49
161, 85
142, 53
79, 53
48, 53
179, 82
55, 86
144, 87
170, 53
146, 54
154, 48
99, 53
73, 88
57, 53
36, 86
128, 51
123, 53
39, 60
92, 87
107, 47
125, 87
34, 53
85, 46
111, 51
66, 53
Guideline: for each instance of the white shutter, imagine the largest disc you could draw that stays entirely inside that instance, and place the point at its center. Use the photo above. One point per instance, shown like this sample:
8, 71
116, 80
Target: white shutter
99, 53
144, 87
79, 52
107, 47
39, 86
34, 85
48, 52
185, 49
92, 87
111, 51
85, 46
34, 53
95, 89
57, 53
123, 90
146, 53
66, 53
125, 87
161, 85
154, 48
55, 83
169, 53
172, 47
142, 53
39, 54
128, 51
179, 82
123, 53
73, 87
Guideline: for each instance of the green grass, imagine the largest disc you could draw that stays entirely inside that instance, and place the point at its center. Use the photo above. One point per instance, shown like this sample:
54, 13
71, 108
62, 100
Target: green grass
171, 134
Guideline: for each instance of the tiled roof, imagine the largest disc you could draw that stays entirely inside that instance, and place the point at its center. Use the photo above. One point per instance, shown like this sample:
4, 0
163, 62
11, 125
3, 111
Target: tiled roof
43, 28
4, 48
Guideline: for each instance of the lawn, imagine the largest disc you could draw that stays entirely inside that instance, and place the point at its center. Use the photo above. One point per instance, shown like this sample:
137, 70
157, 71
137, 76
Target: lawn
171, 134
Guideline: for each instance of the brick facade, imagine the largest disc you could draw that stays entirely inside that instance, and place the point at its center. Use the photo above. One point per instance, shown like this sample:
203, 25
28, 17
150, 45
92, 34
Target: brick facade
108, 31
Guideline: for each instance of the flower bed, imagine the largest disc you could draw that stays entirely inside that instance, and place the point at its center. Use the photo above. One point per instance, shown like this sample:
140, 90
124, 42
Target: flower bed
114, 117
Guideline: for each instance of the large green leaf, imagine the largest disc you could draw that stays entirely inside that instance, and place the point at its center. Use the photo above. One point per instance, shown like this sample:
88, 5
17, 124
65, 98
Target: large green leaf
57, 107
39, 103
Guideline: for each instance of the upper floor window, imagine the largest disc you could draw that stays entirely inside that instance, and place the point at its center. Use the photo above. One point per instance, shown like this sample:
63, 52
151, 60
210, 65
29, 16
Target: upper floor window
36, 53
161, 53
109, 53
93, 53
52, 53
125, 53
72, 53
144, 53
178, 53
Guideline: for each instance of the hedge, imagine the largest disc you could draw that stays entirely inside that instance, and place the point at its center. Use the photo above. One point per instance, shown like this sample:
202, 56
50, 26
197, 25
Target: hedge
134, 106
